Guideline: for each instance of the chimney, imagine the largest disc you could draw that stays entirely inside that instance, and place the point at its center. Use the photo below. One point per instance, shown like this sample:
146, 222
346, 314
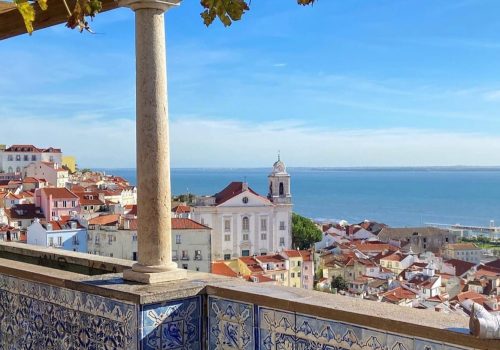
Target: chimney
49, 227
244, 186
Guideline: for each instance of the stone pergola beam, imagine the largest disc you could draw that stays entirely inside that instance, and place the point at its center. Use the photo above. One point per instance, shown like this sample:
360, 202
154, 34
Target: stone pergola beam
12, 24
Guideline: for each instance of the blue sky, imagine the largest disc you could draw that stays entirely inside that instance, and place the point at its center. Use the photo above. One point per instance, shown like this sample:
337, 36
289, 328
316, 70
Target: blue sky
342, 83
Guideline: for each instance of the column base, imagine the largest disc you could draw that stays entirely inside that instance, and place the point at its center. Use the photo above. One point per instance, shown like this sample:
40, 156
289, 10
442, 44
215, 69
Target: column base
155, 277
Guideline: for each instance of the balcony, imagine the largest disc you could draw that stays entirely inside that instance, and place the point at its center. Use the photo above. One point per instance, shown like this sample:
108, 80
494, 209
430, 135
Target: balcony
82, 301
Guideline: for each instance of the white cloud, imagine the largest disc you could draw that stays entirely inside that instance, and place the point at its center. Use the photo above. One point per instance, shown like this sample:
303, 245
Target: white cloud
206, 142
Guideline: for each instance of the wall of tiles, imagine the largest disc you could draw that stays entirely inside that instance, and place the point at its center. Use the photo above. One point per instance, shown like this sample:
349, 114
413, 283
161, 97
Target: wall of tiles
40, 316
237, 325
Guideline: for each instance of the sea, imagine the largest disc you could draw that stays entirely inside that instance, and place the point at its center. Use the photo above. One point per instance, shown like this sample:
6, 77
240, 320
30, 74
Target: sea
399, 197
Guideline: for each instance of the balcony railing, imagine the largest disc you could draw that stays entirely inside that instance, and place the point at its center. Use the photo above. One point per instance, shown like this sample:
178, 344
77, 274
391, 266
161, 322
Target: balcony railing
216, 312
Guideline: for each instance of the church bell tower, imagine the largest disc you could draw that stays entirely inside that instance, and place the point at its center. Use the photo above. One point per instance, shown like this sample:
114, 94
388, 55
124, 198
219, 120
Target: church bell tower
279, 184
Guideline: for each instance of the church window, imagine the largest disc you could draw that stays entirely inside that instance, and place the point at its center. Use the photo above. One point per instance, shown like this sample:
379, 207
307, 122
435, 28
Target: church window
246, 224
245, 236
227, 238
227, 256
245, 253
263, 236
227, 225
245, 200
263, 224
282, 225
282, 189
282, 241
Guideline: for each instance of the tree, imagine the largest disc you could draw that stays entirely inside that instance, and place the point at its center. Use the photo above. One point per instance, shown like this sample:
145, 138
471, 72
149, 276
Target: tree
339, 283
304, 232
227, 11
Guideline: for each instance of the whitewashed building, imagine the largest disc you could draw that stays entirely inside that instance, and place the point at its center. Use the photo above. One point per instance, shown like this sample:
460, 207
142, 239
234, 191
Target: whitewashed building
67, 235
16, 157
52, 172
245, 223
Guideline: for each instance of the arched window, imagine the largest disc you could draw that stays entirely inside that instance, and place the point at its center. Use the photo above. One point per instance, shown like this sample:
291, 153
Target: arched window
10, 169
282, 189
246, 224
271, 188
18, 170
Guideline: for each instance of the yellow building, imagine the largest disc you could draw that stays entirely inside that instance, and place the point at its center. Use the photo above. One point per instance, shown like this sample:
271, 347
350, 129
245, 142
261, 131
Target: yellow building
69, 162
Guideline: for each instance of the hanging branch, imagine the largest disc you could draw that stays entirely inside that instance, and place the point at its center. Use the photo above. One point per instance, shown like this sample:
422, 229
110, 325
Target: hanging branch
227, 11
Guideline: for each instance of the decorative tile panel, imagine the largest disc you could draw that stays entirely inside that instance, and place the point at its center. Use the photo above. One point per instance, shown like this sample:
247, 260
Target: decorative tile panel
230, 324
172, 325
39, 316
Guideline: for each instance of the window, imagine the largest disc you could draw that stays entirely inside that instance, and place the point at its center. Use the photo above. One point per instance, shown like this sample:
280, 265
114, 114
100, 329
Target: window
446, 239
227, 238
85, 208
26, 158
177, 239
245, 200
174, 255
19, 223
97, 239
298, 274
293, 263
51, 158
89, 237
73, 204
292, 275
55, 204
110, 239
245, 236
185, 266
282, 225
306, 277
134, 256
64, 204
18, 157
185, 255
59, 241
51, 241
282, 189
197, 255
75, 240
33, 157
282, 276
227, 256
110, 255
10, 158
282, 241
263, 236
246, 224
299, 263
245, 253
263, 224
227, 225
134, 238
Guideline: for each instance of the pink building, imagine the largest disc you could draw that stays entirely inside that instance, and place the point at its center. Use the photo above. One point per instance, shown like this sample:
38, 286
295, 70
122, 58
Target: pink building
57, 202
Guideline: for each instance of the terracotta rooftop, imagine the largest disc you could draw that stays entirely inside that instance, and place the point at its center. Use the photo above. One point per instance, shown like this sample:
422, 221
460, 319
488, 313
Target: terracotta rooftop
181, 209
232, 190
460, 266
462, 246
31, 149
105, 219
220, 268
58, 193
187, 224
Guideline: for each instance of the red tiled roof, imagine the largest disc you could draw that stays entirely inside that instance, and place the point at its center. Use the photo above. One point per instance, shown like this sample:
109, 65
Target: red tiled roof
132, 209
105, 219
31, 148
460, 266
394, 257
181, 209
187, 224
58, 193
292, 253
32, 180
24, 211
398, 294
462, 246
487, 271
494, 263
270, 258
220, 268
232, 190
476, 297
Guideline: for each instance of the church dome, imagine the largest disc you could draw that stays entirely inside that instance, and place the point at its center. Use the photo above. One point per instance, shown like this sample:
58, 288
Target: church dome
279, 167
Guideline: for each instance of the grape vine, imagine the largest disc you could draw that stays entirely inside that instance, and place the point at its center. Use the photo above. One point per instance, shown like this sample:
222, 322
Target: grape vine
227, 11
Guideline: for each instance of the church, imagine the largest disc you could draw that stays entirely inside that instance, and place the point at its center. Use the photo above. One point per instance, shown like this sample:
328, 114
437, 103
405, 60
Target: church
245, 223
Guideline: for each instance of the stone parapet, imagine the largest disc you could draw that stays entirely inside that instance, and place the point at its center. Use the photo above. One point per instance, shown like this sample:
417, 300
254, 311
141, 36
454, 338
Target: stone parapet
65, 309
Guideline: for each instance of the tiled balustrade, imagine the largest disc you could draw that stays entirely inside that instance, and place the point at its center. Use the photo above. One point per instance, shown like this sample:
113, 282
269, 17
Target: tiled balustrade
44, 308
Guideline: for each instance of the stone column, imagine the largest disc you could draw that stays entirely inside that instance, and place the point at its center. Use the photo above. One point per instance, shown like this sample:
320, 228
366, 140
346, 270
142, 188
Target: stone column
152, 142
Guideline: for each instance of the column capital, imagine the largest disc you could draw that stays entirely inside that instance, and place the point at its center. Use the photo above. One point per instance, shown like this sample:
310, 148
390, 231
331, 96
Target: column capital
162, 5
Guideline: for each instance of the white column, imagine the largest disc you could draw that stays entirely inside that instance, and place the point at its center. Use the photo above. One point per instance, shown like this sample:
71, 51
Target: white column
154, 234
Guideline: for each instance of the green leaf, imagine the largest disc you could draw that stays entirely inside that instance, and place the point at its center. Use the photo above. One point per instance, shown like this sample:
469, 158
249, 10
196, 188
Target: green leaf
28, 13
42, 4
227, 11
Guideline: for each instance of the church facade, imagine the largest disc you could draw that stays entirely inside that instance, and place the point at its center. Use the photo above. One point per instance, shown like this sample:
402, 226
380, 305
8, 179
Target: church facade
244, 223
